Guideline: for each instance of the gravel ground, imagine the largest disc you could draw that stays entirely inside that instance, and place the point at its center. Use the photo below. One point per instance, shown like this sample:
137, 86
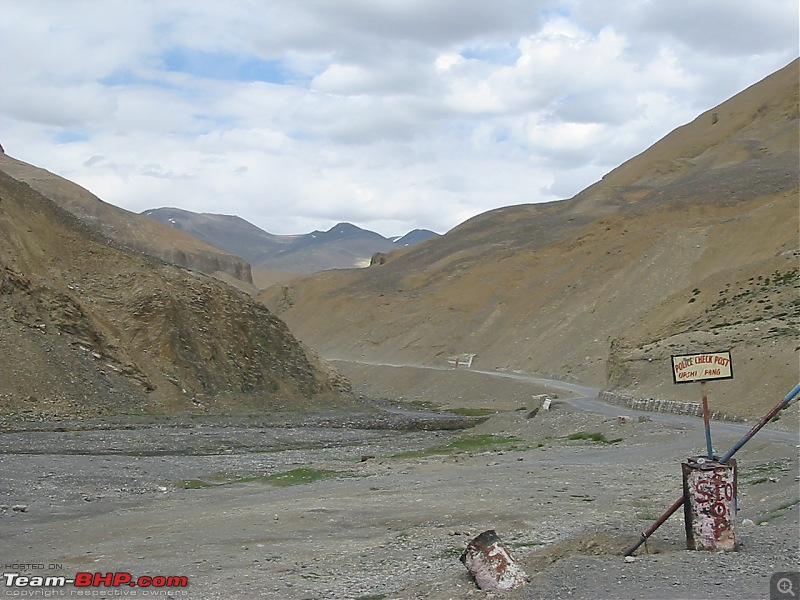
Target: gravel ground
195, 499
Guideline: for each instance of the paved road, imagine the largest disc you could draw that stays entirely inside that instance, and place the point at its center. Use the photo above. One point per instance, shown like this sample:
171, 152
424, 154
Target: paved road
585, 398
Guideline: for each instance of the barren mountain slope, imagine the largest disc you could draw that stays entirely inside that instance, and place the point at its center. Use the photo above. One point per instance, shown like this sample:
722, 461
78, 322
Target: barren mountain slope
89, 329
690, 246
128, 229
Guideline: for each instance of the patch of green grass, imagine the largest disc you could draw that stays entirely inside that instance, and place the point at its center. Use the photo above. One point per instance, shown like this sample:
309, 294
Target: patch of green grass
298, 477
450, 553
777, 512
759, 473
468, 444
425, 404
787, 506
293, 477
772, 467
596, 436
790, 331
758, 480
195, 484
212, 480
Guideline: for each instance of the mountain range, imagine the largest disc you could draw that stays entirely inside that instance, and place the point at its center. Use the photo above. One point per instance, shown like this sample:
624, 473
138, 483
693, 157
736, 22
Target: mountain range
691, 246
343, 246
126, 229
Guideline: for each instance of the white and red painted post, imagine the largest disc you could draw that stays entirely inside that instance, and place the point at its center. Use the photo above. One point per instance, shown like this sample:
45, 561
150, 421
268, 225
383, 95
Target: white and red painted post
709, 489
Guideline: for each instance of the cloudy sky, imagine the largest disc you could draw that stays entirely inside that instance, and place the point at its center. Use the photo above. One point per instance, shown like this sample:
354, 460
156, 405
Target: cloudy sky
390, 114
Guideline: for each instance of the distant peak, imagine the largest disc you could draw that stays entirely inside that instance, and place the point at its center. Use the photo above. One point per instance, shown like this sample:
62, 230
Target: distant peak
414, 236
343, 227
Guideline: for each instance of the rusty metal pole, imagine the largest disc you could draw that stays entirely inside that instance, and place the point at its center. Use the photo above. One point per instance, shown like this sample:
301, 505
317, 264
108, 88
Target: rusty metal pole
679, 502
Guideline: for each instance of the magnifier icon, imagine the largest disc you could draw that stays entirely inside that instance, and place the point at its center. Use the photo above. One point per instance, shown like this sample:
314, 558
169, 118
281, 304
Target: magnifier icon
784, 586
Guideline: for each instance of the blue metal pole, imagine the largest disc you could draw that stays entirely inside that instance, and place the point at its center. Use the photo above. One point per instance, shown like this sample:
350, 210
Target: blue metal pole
707, 422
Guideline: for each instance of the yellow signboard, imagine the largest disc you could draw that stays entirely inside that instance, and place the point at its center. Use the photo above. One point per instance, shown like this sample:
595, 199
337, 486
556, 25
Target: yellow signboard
702, 367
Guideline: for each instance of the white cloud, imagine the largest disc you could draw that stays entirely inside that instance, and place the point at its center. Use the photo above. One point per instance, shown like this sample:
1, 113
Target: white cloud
392, 114
60, 106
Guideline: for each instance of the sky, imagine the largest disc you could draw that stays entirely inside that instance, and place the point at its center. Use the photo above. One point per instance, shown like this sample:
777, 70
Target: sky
389, 114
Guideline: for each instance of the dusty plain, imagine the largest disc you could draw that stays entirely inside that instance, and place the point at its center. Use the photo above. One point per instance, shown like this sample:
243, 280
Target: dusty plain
394, 505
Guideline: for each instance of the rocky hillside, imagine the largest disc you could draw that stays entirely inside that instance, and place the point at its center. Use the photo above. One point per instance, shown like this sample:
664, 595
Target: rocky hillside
691, 246
127, 229
90, 329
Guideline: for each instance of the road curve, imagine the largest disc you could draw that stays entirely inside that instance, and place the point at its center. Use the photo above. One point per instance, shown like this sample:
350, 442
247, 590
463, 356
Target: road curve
585, 398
